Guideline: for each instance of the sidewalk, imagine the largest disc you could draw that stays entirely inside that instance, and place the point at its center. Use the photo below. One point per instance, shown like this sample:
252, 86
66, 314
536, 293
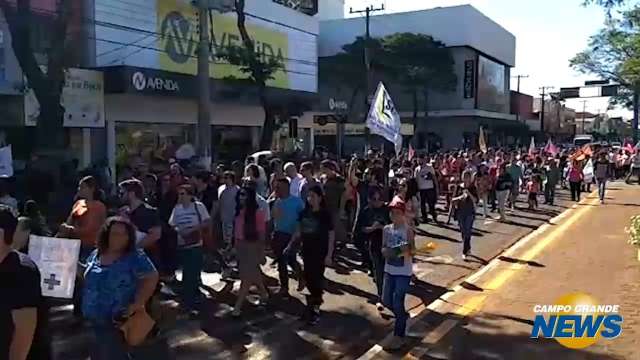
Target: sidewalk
490, 315
350, 324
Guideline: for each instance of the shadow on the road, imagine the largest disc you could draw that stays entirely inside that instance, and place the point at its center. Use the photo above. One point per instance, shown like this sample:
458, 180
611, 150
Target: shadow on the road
471, 287
337, 288
436, 236
519, 261
619, 204
481, 338
426, 292
476, 259
520, 224
543, 219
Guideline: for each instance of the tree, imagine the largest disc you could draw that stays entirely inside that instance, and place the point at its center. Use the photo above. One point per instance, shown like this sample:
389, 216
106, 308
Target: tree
614, 54
260, 68
421, 64
46, 84
347, 68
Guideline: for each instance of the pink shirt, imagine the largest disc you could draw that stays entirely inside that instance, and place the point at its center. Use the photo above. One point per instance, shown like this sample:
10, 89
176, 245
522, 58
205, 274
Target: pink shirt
261, 224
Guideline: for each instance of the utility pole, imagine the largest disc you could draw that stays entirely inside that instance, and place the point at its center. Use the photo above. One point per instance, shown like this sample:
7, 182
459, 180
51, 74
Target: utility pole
367, 64
542, 105
634, 122
203, 135
518, 91
584, 114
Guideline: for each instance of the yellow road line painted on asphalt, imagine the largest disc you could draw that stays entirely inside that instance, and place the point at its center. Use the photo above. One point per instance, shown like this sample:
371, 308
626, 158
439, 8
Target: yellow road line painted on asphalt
549, 236
475, 303
505, 274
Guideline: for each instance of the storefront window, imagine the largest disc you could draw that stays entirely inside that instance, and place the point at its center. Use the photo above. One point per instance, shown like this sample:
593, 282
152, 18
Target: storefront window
153, 144
492, 90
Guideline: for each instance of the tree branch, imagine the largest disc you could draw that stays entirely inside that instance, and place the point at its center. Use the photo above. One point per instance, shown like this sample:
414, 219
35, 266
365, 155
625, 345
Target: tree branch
18, 21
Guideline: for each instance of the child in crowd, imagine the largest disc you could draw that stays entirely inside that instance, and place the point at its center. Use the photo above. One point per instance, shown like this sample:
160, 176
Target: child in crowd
398, 247
533, 188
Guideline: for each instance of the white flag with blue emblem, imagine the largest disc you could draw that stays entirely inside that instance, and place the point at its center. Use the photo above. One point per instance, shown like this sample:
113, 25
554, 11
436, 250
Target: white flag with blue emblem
383, 118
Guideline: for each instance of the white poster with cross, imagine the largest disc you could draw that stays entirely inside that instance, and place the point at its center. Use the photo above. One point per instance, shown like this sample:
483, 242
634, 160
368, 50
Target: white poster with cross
57, 260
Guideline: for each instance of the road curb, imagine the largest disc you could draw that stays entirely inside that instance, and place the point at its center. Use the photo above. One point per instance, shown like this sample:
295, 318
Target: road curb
419, 314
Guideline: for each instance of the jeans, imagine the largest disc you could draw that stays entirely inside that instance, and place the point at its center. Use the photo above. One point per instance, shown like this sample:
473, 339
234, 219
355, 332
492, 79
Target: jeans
314, 267
466, 227
394, 291
109, 343
280, 242
576, 188
549, 193
602, 188
515, 192
191, 261
377, 261
428, 197
502, 196
485, 203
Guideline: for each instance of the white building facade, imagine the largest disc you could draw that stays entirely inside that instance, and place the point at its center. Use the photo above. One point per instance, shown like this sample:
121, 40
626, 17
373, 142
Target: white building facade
483, 54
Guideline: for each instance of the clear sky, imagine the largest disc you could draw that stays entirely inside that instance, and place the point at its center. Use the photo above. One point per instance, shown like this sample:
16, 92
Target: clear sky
548, 33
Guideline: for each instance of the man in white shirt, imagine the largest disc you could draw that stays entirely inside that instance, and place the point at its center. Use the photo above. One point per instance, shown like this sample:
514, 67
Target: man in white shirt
425, 176
294, 179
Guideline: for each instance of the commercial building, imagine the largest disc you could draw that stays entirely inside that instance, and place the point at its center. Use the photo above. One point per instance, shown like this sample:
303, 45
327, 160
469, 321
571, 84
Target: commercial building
150, 65
483, 54
559, 120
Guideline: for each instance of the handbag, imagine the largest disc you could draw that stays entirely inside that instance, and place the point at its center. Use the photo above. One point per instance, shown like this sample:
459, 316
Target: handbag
137, 327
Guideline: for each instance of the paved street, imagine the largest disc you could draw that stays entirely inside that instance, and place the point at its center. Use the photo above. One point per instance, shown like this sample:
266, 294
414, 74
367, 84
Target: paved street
350, 324
491, 317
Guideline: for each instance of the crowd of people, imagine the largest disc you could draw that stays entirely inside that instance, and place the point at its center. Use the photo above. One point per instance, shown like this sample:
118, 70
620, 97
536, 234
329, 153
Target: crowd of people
233, 218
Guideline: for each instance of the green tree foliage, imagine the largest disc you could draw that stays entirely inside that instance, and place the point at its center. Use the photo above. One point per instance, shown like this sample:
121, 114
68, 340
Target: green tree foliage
347, 69
260, 68
614, 54
420, 63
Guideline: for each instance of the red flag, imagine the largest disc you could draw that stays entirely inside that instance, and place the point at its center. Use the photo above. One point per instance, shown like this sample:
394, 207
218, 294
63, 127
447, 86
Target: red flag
629, 148
550, 148
412, 152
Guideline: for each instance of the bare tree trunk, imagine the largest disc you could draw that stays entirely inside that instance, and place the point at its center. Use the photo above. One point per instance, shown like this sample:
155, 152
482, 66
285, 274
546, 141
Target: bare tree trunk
47, 86
269, 124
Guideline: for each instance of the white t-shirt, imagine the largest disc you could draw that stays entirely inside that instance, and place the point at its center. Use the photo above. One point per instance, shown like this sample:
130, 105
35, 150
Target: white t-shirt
425, 176
185, 218
294, 185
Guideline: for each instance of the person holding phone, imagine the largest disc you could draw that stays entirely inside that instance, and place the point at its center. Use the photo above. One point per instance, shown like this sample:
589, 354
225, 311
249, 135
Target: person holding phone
190, 218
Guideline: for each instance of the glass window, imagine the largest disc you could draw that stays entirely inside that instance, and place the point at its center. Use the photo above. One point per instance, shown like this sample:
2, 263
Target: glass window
492, 86
309, 7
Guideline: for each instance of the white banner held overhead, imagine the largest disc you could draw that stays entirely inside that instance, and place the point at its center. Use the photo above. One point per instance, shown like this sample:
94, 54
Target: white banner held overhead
57, 260
383, 118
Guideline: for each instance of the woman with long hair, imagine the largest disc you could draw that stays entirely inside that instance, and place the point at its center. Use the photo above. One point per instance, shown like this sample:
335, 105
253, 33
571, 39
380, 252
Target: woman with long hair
252, 171
408, 196
84, 222
190, 218
119, 280
316, 232
250, 228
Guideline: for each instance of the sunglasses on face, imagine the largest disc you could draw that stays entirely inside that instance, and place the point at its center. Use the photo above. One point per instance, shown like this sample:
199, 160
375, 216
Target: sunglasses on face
183, 194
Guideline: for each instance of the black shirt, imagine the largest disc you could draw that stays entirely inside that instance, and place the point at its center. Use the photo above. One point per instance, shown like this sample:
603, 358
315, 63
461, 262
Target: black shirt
208, 196
145, 217
314, 232
20, 289
369, 216
504, 182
